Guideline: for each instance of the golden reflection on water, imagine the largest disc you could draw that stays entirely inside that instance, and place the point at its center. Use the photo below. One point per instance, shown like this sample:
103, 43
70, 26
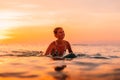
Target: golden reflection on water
43, 68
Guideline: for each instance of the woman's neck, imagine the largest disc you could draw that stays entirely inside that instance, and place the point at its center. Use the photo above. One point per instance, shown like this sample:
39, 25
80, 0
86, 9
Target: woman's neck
59, 41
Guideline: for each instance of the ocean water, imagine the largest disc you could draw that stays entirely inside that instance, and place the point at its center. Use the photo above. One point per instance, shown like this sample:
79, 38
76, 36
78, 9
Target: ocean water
93, 62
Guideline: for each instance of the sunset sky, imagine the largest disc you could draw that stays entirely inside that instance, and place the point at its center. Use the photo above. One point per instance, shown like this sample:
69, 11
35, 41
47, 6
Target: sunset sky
84, 21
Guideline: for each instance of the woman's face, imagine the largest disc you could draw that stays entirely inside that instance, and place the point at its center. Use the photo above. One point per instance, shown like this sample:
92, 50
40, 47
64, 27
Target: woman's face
60, 34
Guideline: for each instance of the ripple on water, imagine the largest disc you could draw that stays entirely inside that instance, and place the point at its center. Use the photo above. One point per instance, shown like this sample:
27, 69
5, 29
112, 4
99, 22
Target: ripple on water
59, 75
85, 63
18, 75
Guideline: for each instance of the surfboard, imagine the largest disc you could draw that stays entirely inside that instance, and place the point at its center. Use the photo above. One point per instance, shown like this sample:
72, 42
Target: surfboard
66, 57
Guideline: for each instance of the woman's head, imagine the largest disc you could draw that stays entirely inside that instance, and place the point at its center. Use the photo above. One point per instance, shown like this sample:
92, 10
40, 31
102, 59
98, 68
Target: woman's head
59, 33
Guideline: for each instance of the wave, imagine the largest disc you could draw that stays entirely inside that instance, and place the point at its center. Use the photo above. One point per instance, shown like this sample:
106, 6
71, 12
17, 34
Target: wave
28, 53
24, 53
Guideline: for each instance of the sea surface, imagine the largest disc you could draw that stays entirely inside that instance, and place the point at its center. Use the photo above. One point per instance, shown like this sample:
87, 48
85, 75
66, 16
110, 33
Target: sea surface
27, 62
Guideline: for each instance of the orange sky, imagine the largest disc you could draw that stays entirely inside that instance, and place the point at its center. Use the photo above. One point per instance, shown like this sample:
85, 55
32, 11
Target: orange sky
84, 21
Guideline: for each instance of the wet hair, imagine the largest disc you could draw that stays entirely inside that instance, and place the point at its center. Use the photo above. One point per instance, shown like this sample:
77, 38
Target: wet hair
56, 29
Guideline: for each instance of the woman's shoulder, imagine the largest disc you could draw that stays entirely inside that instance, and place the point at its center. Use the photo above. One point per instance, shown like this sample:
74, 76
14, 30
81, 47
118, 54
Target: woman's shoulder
52, 43
66, 42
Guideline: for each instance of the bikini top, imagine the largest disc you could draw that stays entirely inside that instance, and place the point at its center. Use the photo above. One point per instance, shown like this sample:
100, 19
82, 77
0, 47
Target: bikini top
56, 52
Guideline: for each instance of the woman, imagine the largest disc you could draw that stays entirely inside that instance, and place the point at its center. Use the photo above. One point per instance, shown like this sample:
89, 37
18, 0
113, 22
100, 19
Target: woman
59, 46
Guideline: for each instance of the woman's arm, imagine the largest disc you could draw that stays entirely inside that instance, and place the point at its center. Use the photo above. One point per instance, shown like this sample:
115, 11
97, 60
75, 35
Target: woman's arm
49, 49
69, 47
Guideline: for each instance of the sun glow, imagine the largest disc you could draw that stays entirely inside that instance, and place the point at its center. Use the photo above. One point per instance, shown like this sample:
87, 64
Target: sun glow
4, 34
3, 37
32, 21
7, 21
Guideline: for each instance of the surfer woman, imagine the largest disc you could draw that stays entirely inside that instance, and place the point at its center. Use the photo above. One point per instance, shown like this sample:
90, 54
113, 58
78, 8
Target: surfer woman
59, 46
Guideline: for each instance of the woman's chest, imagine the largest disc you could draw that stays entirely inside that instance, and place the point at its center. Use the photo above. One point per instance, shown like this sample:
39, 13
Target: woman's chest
60, 47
